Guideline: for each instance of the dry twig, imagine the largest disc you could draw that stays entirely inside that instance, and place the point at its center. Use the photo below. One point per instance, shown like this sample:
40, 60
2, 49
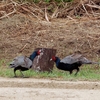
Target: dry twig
23, 47
7, 15
46, 17
93, 6
55, 14
84, 8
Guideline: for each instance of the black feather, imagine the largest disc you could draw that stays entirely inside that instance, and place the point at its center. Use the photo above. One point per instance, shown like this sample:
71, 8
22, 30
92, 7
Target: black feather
71, 63
23, 63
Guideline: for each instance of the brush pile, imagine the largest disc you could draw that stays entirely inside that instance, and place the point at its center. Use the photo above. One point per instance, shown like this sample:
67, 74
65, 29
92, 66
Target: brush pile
48, 11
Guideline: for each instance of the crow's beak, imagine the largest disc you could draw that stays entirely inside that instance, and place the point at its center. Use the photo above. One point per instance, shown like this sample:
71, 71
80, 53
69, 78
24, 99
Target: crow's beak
11, 65
51, 59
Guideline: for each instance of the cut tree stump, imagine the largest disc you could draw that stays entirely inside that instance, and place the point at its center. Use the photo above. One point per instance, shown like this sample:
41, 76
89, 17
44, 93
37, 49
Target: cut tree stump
42, 63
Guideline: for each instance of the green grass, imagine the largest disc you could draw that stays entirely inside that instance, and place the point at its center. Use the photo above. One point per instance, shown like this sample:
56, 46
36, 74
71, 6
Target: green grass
87, 72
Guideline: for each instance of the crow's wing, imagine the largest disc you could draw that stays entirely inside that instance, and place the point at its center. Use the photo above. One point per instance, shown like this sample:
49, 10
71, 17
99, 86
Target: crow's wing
84, 60
71, 59
21, 61
28, 62
76, 58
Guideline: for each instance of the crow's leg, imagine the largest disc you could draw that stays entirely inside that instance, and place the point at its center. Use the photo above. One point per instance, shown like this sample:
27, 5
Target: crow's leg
77, 71
21, 73
71, 72
15, 72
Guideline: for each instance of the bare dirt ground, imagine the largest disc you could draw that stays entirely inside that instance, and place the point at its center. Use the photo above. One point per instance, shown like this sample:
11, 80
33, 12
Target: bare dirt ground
20, 35
45, 89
